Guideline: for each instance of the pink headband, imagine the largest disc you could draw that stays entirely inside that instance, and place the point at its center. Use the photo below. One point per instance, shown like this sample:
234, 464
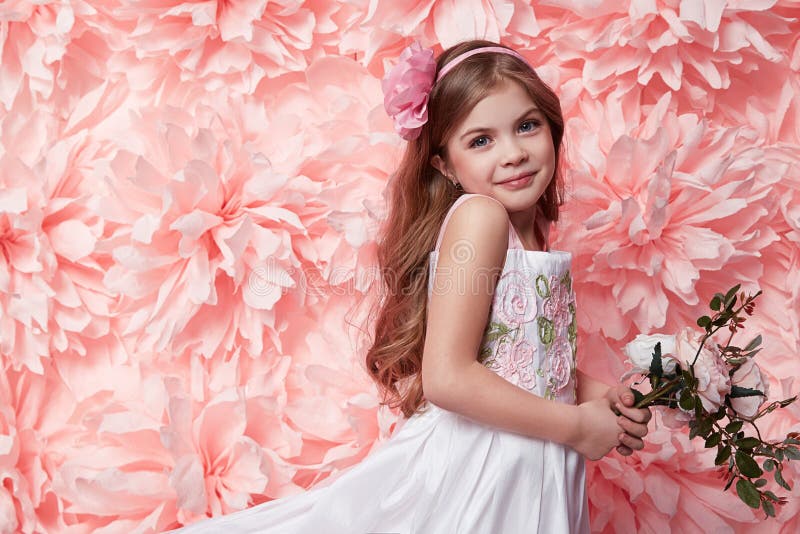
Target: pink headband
407, 86
497, 49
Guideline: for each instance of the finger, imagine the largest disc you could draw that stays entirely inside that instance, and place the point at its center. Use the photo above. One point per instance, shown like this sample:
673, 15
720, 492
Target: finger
625, 395
634, 429
631, 442
623, 450
640, 415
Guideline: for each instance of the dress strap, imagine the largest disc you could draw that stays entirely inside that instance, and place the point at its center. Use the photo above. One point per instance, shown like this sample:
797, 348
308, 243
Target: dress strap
460, 200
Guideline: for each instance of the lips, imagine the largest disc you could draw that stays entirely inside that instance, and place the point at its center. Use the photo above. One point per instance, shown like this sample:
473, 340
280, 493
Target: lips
518, 176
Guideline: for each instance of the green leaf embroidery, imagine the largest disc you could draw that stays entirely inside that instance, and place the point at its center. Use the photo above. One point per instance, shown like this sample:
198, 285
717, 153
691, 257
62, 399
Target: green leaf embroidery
546, 331
542, 286
567, 280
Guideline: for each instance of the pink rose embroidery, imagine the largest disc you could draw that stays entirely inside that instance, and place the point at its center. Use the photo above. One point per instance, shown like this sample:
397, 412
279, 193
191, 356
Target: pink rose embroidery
515, 363
515, 301
556, 307
559, 364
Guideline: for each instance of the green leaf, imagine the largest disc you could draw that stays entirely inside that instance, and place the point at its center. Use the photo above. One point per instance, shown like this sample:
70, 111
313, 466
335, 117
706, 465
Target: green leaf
748, 443
655, 364
713, 440
734, 427
738, 391
781, 482
753, 344
791, 441
722, 455
748, 493
730, 296
768, 508
747, 465
793, 453
761, 482
687, 400
704, 321
706, 425
715, 302
721, 321
688, 379
769, 464
751, 353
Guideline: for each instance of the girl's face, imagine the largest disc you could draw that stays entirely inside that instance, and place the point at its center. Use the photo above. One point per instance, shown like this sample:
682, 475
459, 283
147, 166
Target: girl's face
505, 137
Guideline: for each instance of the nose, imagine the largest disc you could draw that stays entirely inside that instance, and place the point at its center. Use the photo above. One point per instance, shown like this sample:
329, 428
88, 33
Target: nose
513, 153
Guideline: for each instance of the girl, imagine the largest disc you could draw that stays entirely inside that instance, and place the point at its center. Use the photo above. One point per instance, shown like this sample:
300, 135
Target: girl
476, 338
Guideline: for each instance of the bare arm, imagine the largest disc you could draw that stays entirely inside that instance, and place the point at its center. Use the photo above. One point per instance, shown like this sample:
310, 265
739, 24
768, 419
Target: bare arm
480, 394
471, 258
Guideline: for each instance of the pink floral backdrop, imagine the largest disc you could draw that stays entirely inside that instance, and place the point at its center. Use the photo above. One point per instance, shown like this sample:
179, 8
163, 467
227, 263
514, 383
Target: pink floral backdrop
190, 194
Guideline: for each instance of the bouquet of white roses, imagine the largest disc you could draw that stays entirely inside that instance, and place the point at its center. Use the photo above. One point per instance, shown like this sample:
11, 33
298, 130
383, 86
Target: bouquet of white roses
717, 389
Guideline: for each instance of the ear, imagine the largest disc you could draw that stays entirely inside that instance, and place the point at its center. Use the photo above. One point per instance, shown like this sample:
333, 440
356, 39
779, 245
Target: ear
439, 164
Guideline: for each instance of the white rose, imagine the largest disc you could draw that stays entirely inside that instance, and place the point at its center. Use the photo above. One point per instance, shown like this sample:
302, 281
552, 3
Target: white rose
748, 375
640, 352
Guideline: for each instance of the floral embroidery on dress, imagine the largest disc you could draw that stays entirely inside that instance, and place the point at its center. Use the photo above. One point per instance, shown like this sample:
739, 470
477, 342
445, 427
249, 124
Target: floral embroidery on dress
515, 306
555, 329
510, 358
503, 352
556, 307
507, 350
516, 363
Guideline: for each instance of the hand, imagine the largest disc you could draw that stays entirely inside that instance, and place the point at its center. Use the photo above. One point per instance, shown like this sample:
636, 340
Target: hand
598, 429
632, 420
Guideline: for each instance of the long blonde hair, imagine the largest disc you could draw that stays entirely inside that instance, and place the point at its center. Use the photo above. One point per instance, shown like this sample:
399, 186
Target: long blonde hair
420, 197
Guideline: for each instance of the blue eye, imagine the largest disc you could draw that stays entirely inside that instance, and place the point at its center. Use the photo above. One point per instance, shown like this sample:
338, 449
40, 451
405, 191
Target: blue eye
532, 124
477, 141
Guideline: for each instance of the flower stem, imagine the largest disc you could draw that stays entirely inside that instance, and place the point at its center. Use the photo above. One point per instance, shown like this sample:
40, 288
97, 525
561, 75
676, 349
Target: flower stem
657, 393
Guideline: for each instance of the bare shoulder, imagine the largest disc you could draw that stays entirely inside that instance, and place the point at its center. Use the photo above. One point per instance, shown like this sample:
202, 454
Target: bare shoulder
479, 225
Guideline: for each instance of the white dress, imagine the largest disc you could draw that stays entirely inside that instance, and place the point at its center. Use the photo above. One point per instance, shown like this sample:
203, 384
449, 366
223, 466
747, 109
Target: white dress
442, 473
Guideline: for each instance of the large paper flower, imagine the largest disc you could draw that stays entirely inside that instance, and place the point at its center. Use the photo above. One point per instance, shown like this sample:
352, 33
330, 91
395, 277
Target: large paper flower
41, 50
693, 48
660, 205
52, 295
218, 43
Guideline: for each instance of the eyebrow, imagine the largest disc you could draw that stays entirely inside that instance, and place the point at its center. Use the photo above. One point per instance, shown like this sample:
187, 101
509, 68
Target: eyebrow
484, 129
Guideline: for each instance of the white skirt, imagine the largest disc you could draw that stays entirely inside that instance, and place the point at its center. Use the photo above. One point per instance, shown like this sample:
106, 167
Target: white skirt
439, 473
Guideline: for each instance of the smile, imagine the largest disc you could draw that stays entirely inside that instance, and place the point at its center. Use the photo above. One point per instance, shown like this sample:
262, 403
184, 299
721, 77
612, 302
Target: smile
519, 182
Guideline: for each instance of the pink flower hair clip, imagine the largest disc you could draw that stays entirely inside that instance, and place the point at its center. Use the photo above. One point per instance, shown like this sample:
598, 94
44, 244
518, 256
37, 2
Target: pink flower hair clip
406, 88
